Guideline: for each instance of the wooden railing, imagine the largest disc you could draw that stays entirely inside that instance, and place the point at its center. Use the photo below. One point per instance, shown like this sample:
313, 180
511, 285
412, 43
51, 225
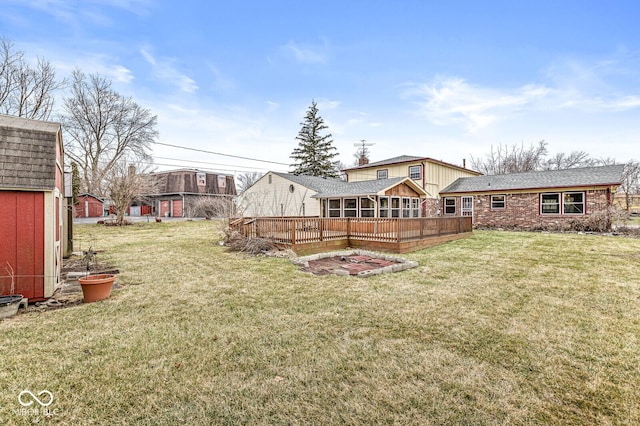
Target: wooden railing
300, 230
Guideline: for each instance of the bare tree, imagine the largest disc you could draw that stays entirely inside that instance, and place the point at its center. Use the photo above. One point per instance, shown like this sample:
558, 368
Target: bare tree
26, 90
104, 128
572, 160
246, 179
505, 159
214, 206
630, 181
125, 185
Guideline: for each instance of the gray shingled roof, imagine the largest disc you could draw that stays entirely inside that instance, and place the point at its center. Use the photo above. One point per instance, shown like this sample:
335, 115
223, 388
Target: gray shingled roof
27, 153
328, 187
585, 176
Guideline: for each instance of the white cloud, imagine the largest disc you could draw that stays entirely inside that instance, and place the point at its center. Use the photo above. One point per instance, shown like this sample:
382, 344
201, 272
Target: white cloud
452, 100
163, 69
307, 55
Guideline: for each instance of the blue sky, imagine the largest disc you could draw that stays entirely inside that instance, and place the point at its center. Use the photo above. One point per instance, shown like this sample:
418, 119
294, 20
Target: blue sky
438, 79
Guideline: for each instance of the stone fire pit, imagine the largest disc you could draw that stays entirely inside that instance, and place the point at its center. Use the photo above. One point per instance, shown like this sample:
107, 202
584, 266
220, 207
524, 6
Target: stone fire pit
359, 263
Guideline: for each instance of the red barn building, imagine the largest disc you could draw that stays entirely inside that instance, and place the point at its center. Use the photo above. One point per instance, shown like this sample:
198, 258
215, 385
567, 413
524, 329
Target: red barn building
31, 207
89, 205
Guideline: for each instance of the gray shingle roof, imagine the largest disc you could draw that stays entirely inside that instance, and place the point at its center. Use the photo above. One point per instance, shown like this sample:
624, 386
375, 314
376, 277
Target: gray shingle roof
328, 187
585, 176
27, 153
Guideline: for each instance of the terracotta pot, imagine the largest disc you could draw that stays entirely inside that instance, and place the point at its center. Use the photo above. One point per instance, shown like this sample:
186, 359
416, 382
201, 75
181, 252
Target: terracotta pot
9, 305
96, 287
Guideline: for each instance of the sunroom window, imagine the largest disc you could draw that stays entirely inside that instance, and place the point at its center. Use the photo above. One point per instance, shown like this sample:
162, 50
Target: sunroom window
367, 207
350, 207
334, 208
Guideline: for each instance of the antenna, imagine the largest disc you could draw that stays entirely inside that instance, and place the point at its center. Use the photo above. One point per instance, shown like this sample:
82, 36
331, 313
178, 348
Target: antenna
362, 150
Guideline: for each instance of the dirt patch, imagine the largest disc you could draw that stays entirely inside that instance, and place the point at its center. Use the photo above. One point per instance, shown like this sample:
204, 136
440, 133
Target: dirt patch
357, 262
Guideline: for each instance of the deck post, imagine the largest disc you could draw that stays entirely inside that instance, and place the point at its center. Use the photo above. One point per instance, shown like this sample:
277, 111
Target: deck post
293, 232
321, 228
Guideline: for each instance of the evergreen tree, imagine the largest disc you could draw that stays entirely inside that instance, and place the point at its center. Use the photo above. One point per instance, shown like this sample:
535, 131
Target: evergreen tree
75, 182
315, 151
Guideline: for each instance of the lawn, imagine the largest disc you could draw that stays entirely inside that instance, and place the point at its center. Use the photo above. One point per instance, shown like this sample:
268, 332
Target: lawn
499, 328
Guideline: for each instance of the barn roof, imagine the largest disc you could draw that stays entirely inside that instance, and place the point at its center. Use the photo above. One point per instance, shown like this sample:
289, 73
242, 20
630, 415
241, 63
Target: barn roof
547, 179
27, 153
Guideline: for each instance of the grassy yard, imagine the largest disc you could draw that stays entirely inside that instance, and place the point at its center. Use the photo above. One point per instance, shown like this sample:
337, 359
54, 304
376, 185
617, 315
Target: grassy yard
499, 328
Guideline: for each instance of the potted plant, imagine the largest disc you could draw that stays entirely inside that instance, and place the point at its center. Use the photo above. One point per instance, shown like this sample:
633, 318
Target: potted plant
10, 303
95, 286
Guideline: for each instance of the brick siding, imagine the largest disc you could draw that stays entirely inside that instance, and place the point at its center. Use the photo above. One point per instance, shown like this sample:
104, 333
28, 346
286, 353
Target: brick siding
522, 211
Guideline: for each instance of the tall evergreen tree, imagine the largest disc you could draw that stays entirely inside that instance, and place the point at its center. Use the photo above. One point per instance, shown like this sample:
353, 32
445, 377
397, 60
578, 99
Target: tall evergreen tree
315, 151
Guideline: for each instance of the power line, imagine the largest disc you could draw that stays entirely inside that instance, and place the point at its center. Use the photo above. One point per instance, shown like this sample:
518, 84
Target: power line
219, 153
209, 163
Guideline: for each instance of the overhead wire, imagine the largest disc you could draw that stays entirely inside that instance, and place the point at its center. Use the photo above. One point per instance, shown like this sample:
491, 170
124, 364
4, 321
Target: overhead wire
218, 153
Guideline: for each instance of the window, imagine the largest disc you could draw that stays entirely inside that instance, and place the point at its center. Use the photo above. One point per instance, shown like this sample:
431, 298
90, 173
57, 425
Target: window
292, 188
406, 207
498, 202
573, 203
201, 178
383, 209
395, 207
367, 207
449, 205
350, 207
324, 207
334, 208
550, 203
383, 174
415, 206
415, 172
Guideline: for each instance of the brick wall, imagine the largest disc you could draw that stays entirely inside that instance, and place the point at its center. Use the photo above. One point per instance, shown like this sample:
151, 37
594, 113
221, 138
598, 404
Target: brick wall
430, 207
522, 211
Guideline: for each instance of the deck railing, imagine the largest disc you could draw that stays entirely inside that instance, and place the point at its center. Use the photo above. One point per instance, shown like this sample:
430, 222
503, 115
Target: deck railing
300, 230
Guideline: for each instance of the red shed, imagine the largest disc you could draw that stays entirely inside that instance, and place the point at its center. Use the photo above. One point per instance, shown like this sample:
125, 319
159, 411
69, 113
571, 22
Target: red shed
31, 206
89, 205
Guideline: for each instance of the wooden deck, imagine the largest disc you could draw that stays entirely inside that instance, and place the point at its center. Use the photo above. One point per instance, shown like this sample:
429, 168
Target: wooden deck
306, 235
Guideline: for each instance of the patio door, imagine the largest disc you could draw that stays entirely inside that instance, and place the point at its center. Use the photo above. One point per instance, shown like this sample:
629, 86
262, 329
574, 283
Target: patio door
467, 206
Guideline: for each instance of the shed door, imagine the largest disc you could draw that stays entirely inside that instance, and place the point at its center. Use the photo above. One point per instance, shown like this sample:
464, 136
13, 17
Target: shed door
22, 242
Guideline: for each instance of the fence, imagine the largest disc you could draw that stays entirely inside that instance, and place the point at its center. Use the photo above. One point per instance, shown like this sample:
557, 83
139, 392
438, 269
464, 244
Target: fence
390, 233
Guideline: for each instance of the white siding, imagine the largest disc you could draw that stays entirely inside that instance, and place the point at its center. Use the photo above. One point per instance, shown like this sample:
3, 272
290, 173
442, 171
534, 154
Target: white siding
277, 199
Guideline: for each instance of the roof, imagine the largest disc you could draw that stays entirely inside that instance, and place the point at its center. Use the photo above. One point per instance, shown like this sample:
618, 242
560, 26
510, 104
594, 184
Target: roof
408, 159
329, 187
584, 176
28, 153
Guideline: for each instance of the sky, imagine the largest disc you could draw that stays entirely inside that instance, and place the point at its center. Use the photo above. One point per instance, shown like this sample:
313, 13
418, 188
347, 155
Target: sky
441, 79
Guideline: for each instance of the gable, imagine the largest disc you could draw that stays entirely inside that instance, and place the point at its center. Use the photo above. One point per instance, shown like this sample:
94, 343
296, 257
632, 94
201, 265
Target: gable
402, 190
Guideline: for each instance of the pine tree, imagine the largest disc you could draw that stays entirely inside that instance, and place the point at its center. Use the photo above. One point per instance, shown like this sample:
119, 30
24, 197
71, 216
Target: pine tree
315, 151
75, 182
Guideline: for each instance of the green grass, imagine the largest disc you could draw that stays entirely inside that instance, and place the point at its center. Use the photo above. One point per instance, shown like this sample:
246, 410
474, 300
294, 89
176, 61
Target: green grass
499, 328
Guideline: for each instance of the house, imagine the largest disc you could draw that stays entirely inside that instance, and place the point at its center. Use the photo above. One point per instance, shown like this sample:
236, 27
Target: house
429, 174
178, 190
31, 207
284, 194
89, 205
553, 199
630, 202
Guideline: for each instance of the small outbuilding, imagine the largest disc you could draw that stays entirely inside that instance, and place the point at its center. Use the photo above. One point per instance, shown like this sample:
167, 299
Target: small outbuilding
89, 205
31, 207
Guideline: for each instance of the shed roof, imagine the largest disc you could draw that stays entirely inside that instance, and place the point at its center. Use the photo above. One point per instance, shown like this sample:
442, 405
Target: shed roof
27, 153
578, 177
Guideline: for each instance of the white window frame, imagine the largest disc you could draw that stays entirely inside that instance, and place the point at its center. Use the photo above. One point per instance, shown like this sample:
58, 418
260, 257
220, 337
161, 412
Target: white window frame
565, 203
349, 211
367, 211
415, 207
380, 173
558, 196
396, 212
406, 207
332, 210
384, 207
414, 176
495, 203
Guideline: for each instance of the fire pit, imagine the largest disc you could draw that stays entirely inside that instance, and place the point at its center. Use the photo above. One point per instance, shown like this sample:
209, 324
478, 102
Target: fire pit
358, 263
